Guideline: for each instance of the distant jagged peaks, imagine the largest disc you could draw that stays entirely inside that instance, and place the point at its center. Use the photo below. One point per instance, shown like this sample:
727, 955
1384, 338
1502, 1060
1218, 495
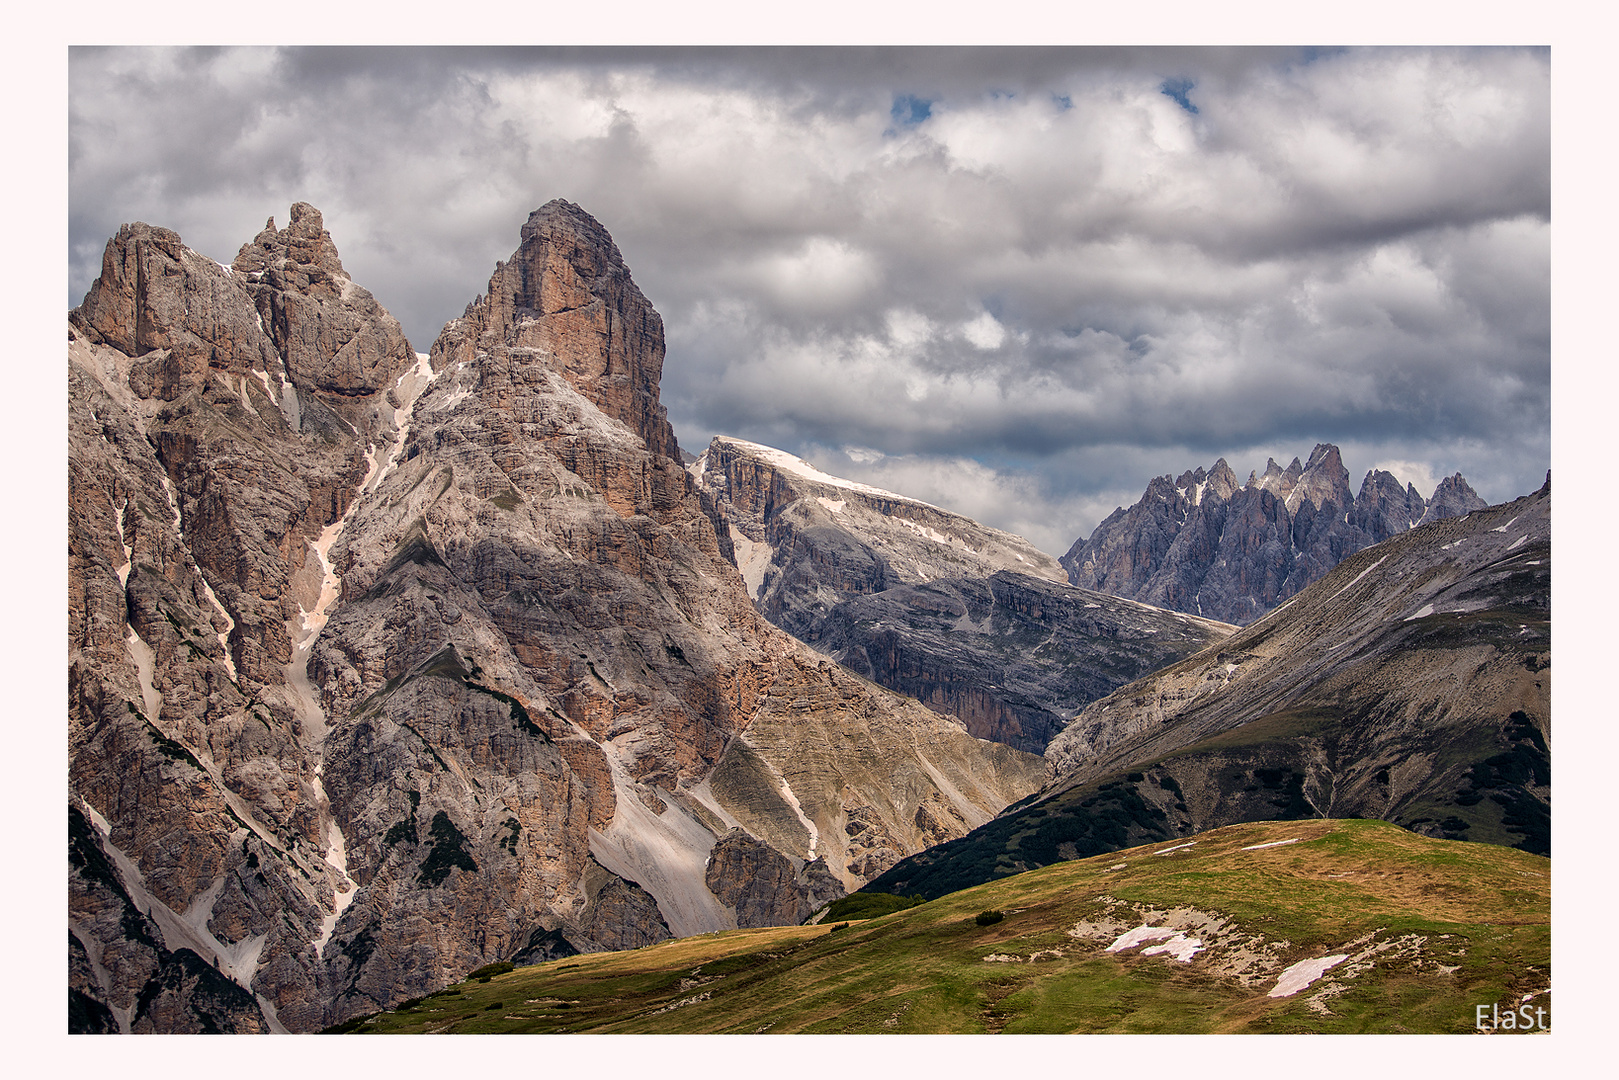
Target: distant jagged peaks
1206, 546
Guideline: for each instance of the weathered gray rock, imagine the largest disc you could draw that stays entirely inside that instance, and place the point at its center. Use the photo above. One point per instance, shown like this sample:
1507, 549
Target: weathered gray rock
1452, 498
535, 596
764, 886
333, 334
805, 540
1013, 657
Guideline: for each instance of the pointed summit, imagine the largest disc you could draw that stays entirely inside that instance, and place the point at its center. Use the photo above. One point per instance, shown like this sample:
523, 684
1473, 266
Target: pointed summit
333, 334
566, 298
1454, 497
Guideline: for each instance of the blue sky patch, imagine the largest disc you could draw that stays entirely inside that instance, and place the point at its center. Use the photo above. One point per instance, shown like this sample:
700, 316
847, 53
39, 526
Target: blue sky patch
1179, 89
909, 111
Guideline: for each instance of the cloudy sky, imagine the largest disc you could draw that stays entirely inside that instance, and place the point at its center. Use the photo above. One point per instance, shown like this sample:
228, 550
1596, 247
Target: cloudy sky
1016, 282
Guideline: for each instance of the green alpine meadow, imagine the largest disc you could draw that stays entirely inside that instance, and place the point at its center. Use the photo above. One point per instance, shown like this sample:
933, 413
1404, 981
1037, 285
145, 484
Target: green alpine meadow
1424, 932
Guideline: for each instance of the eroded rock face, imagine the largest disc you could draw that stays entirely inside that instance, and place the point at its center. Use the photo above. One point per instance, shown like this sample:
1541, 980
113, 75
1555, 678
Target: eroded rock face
333, 334
385, 667
973, 622
764, 886
1202, 544
805, 540
202, 474
535, 596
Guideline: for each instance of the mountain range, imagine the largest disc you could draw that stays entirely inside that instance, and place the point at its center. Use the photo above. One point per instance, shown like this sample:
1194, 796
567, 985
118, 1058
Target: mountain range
1204, 544
1412, 683
386, 666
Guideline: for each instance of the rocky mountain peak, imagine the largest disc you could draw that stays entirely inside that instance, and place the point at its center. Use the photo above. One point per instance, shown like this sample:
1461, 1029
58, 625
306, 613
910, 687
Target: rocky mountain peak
332, 334
1323, 480
304, 248
377, 688
565, 298
1453, 498
180, 314
1222, 481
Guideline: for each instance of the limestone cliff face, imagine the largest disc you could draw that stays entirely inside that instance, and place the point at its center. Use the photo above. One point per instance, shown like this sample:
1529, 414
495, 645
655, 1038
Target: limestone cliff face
1202, 544
383, 667
540, 637
973, 622
1012, 656
205, 466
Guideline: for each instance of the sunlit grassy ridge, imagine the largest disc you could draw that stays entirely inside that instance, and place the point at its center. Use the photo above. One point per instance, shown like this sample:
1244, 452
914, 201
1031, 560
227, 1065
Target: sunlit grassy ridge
1431, 929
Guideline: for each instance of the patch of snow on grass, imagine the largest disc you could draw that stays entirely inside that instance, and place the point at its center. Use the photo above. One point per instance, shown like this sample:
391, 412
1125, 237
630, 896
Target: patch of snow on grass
1180, 946
1303, 973
1177, 847
1273, 843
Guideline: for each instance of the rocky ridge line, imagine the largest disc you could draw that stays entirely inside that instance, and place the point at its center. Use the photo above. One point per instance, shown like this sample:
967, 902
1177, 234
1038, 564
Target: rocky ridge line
1205, 545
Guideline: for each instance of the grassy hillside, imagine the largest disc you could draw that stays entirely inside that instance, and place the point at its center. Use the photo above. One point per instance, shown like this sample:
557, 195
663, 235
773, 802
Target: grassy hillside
1429, 929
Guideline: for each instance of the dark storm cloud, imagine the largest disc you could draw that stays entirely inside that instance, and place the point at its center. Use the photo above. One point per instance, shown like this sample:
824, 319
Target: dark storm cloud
1018, 282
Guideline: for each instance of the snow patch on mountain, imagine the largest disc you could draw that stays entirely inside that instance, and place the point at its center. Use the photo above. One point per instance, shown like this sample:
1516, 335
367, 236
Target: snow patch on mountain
797, 466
